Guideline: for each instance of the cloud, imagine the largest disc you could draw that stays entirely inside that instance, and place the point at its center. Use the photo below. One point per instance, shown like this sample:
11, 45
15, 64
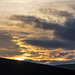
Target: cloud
67, 33
56, 12
53, 44
7, 47
62, 62
62, 34
35, 22
44, 33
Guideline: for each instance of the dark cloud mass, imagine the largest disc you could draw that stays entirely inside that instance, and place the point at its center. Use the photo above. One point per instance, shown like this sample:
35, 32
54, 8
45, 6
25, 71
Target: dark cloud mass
65, 33
53, 44
55, 12
36, 22
7, 47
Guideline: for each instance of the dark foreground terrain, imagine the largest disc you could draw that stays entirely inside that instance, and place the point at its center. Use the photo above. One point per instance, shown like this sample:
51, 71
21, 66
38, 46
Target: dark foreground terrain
13, 67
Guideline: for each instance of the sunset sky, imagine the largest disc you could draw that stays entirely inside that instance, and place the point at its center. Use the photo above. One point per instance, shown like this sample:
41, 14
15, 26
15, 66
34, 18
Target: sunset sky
38, 30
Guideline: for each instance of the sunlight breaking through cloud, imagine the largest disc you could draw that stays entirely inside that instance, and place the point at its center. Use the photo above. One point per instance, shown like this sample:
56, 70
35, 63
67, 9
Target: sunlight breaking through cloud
38, 31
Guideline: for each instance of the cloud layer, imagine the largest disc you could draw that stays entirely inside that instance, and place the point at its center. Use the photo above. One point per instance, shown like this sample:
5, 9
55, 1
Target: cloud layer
48, 37
7, 47
62, 34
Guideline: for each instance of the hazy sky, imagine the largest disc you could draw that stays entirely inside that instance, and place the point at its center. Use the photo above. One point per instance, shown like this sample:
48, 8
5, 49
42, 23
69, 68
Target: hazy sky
41, 30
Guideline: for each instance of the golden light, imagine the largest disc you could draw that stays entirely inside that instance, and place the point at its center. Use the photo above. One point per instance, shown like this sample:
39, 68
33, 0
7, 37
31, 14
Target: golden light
30, 52
20, 58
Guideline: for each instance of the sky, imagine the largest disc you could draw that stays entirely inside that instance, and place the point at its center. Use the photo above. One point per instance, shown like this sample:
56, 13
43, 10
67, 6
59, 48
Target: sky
39, 31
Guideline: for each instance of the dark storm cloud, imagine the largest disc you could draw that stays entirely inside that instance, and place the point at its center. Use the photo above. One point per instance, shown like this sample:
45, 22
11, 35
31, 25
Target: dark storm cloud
7, 47
36, 22
52, 44
48, 43
65, 33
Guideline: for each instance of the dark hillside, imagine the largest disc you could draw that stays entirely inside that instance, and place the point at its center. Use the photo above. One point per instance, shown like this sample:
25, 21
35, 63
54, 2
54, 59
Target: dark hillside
13, 67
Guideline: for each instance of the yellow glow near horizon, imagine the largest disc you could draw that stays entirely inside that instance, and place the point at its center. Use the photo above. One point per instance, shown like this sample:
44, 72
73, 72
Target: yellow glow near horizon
20, 58
31, 52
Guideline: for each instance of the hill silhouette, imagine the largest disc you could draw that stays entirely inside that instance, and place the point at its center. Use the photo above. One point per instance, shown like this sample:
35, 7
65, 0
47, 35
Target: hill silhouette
13, 67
